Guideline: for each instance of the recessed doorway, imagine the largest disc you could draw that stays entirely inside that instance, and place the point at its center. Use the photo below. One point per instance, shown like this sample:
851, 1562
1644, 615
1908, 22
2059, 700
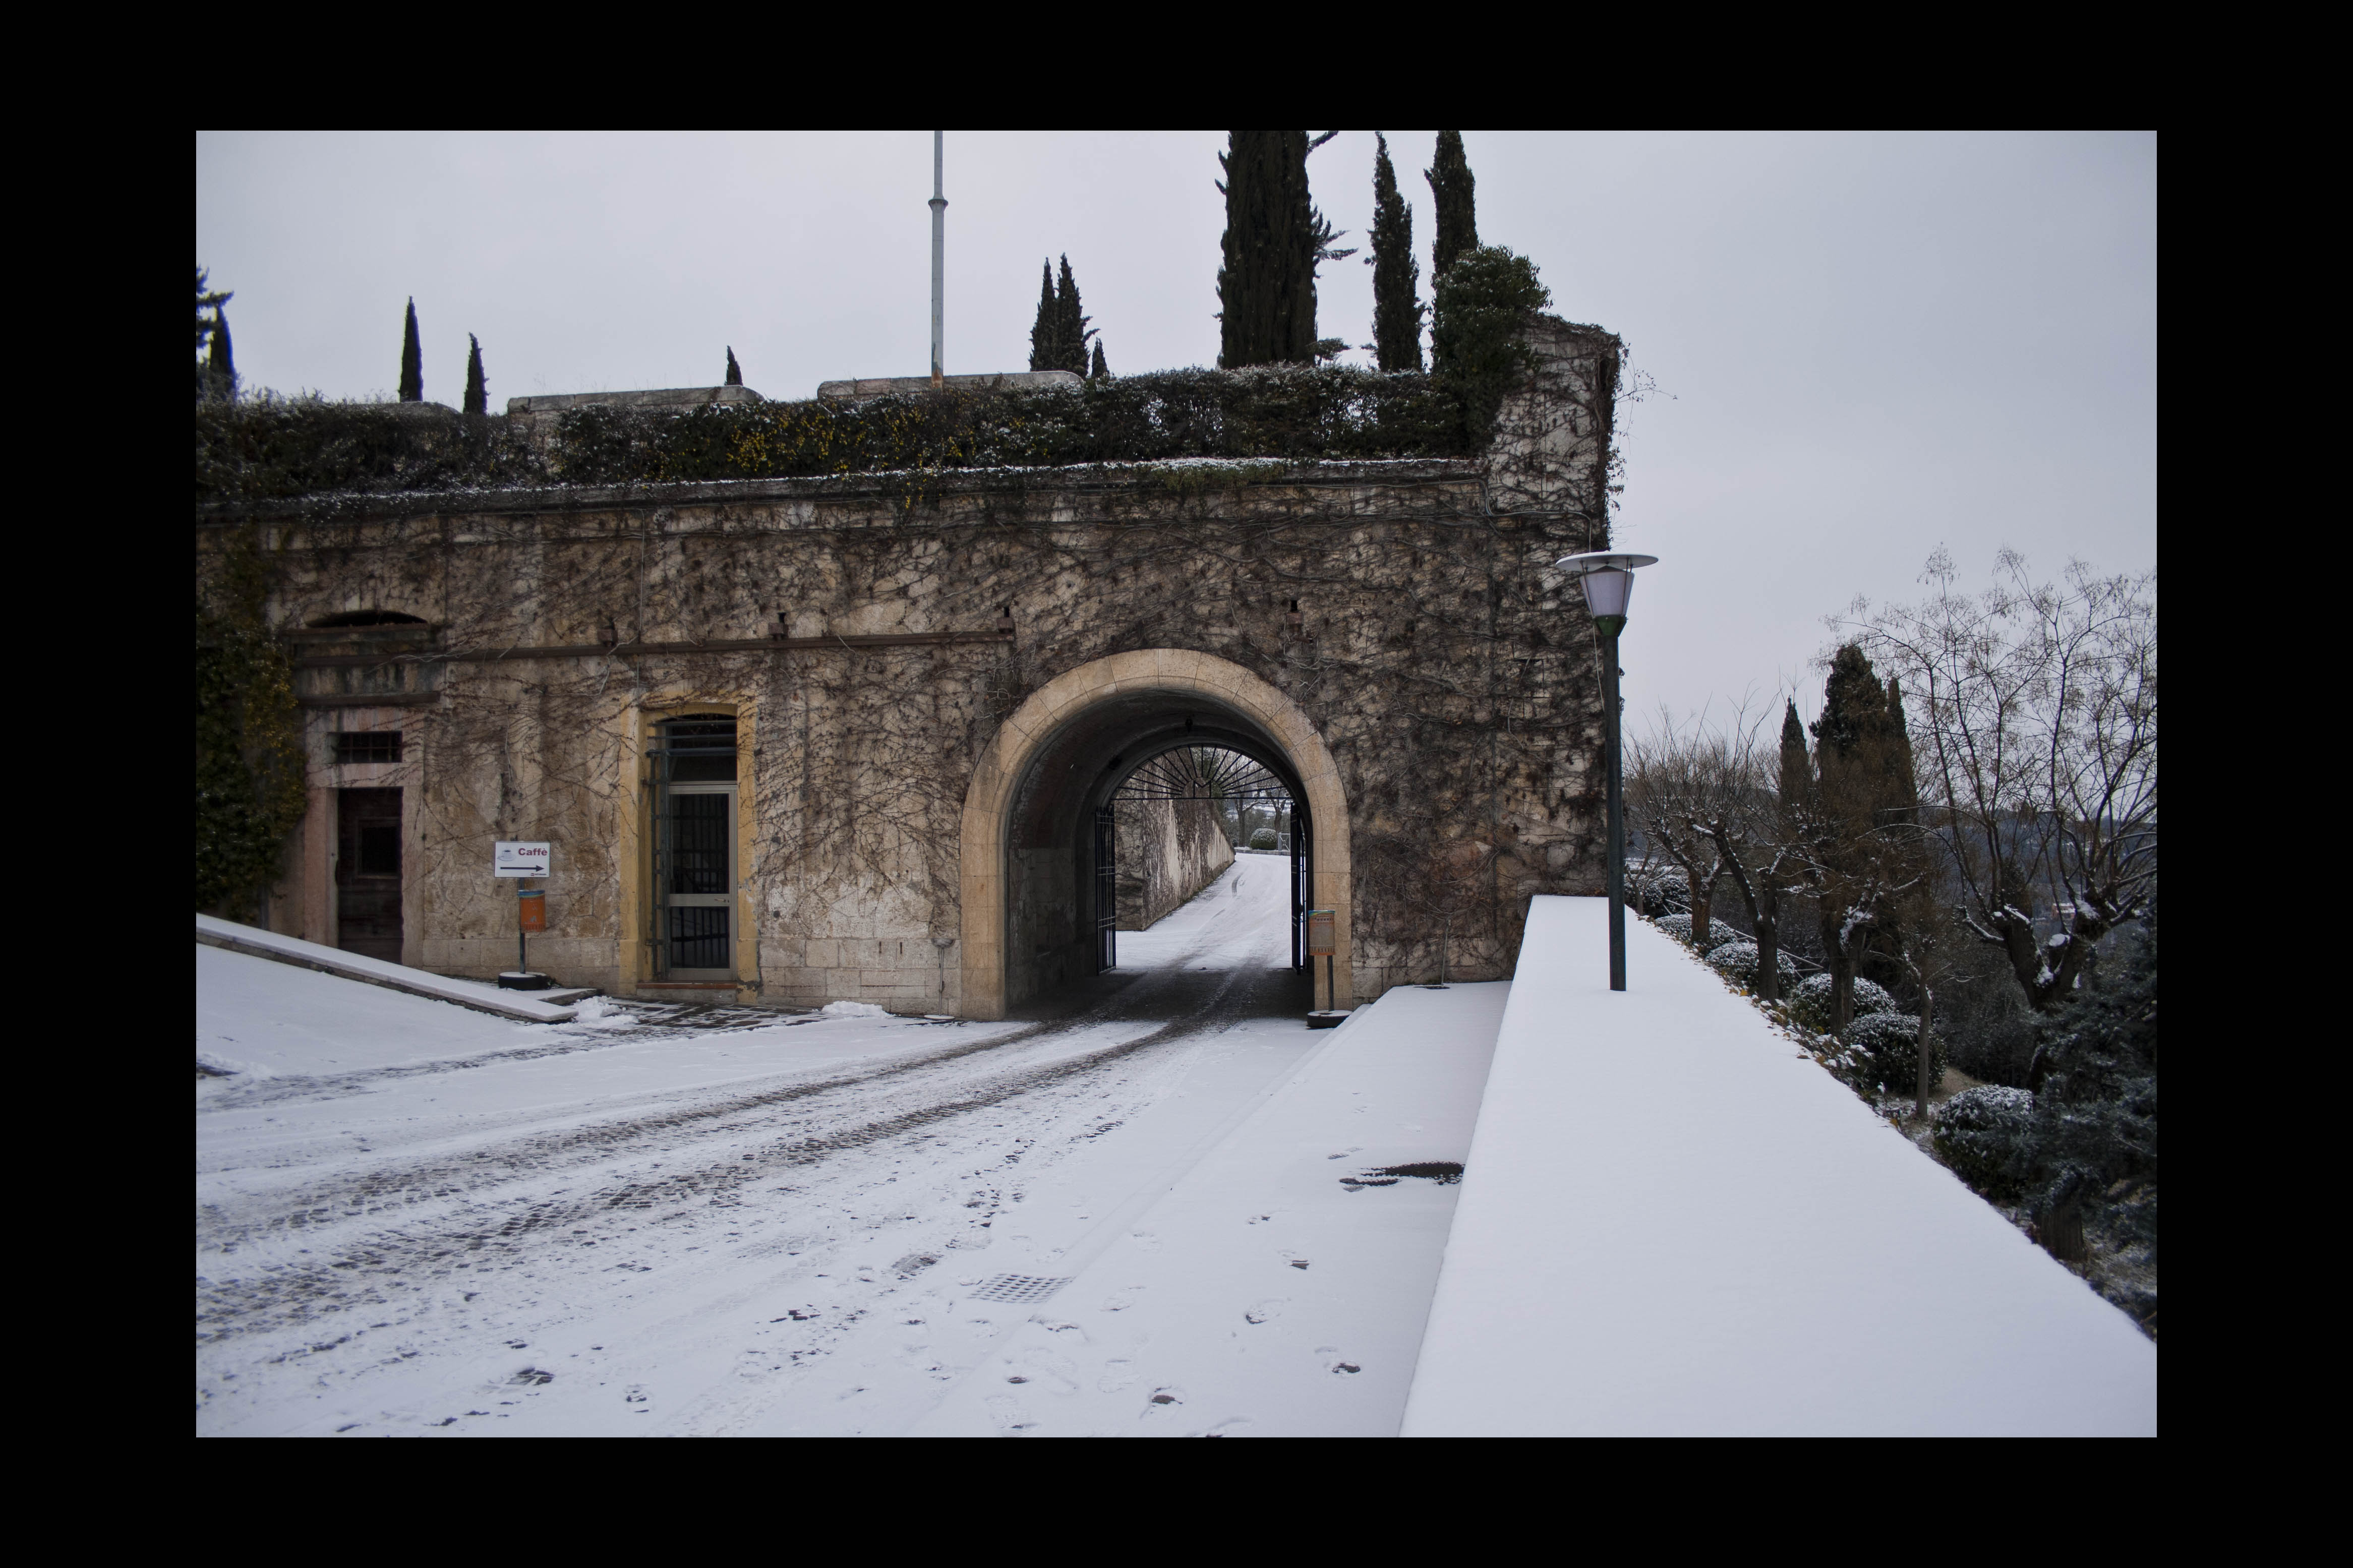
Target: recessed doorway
367, 873
694, 804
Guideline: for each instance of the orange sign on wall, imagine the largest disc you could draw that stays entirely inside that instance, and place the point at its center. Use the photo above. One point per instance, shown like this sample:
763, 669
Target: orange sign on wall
534, 910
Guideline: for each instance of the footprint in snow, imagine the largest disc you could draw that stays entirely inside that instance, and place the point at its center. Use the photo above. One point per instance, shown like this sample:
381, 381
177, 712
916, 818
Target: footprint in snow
1117, 1374
1270, 1308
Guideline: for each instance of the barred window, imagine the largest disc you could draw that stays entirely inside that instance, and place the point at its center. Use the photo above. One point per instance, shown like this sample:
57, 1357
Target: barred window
367, 746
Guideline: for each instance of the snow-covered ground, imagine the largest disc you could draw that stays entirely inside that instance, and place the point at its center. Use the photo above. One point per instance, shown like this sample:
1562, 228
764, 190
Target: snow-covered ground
412, 1218
1242, 920
1674, 1222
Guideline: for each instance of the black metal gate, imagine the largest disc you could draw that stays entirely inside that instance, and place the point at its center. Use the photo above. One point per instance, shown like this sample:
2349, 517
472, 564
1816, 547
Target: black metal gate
1302, 882
692, 929
1106, 893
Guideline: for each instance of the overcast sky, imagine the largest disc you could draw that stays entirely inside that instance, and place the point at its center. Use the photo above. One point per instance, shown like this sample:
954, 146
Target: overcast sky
1864, 346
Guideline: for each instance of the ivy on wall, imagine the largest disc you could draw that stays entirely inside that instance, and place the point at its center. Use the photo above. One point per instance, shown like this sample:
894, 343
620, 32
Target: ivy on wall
280, 448
249, 761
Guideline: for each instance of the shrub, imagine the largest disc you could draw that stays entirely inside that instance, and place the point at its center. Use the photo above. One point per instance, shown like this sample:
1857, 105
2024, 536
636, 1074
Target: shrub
1666, 892
1679, 926
271, 448
1992, 1027
1810, 1004
1737, 960
1478, 317
1887, 1051
2093, 1138
1979, 1134
1262, 839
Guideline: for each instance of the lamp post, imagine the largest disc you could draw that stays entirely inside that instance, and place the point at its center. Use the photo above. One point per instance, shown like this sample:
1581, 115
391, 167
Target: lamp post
1608, 580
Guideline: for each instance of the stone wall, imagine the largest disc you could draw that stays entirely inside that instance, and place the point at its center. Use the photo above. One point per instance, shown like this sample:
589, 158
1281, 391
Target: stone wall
872, 633
1168, 851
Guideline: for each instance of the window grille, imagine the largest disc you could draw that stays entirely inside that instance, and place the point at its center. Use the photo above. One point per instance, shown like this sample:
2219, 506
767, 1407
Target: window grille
367, 746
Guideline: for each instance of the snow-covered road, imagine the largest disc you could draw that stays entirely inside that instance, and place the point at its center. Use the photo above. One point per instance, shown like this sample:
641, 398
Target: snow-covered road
413, 1218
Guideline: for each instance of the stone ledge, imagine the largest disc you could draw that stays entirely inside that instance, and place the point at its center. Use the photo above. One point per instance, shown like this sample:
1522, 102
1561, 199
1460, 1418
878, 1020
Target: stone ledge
1007, 381
657, 398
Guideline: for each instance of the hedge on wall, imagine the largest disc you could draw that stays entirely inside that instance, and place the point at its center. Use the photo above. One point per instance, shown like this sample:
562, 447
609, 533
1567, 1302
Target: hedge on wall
267, 448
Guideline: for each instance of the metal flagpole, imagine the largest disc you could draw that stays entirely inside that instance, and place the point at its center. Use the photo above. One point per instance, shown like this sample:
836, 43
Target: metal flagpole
939, 257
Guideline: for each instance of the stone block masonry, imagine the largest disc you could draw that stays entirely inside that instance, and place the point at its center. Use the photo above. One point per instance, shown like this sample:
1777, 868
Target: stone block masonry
1390, 632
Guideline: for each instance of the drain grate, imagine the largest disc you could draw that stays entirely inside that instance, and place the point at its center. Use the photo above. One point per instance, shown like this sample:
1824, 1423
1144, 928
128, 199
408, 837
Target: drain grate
1017, 1288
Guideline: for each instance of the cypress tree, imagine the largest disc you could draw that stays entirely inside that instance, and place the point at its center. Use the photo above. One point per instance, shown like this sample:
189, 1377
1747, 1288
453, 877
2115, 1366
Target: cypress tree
1071, 329
1450, 188
219, 369
734, 370
1044, 336
412, 360
1861, 733
208, 304
478, 390
1796, 767
1396, 276
1099, 369
1267, 285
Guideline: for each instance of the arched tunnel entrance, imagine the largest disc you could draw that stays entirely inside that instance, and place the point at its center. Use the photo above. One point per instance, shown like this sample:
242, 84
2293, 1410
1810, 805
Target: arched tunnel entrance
1037, 882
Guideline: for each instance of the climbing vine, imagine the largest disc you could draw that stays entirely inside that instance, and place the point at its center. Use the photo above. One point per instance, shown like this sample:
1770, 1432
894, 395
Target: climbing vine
249, 762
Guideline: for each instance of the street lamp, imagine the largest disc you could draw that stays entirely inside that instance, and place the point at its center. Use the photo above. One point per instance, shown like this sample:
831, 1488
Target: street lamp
1608, 580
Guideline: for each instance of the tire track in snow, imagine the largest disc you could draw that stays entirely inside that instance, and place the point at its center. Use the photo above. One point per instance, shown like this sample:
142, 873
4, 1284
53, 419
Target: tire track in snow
370, 1272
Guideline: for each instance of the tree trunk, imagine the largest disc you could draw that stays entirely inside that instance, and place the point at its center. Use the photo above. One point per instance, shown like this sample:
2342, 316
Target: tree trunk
1702, 906
1841, 953
1927, 1007
1767, 916
2059, 1229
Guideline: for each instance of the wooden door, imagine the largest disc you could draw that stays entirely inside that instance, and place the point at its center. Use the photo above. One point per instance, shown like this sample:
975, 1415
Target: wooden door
367, 872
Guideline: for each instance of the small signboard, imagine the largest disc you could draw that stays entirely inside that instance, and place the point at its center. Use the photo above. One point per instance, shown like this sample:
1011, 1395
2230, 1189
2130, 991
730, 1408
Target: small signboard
535, 910
519, 860
1319, 933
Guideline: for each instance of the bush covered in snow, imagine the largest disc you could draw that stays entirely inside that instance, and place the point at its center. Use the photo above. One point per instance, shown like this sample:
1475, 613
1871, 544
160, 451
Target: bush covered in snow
1739, 960
1810, 1004
1262, 839
1978, 1131
1886, 1047
1656, 893
1679, 926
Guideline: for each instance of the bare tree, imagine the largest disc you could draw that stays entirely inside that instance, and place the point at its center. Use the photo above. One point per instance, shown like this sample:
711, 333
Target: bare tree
2037, 753
1677, 778
1706, 797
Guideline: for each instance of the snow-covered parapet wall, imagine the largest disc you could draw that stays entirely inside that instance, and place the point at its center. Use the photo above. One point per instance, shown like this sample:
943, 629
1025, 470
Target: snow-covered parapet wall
270, 944
1673, 1221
